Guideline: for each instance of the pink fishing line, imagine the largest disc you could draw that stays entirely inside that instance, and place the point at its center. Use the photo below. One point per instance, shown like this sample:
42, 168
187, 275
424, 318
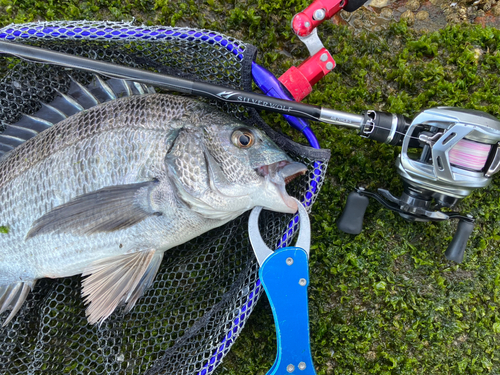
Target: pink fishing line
469, 154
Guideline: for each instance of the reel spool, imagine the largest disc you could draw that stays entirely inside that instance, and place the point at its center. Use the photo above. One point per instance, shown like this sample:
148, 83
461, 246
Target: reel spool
459, 154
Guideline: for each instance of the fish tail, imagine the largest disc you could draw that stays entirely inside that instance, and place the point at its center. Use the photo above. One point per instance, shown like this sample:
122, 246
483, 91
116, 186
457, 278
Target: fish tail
12, 297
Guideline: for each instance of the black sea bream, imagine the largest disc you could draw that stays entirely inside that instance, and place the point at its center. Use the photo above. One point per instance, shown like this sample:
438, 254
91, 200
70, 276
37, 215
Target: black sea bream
105, 192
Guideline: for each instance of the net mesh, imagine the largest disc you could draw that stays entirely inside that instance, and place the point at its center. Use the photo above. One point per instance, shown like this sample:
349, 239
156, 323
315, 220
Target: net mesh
205, 289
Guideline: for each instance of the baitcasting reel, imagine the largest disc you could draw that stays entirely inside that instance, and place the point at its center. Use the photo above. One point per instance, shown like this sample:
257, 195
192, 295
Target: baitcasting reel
458, 153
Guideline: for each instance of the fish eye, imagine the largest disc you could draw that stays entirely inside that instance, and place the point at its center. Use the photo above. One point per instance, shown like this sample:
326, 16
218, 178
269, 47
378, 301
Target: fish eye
243, 138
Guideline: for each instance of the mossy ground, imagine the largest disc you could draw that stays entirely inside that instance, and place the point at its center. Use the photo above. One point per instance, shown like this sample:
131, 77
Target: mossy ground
385, 301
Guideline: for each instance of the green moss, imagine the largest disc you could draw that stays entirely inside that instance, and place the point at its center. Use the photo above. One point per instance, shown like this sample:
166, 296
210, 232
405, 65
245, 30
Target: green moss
385, 301
4, 229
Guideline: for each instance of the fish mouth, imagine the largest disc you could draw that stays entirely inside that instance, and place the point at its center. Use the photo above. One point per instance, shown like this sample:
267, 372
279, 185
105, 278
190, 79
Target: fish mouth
280, 174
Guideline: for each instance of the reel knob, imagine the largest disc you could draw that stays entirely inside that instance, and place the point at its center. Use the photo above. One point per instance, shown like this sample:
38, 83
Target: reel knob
351, 220
456, 248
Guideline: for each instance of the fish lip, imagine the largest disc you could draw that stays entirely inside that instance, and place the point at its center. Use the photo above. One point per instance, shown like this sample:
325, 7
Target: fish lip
280, 174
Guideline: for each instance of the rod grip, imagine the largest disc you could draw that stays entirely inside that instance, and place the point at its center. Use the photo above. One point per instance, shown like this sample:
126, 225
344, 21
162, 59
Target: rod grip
456, 248
351, 220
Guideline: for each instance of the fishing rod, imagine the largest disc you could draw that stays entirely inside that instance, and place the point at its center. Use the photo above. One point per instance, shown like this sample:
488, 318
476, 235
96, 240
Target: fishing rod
459, 150
376, 125
185, 86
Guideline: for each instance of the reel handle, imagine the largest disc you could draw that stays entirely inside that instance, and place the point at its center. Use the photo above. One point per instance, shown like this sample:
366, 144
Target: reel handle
351, 220
456, 248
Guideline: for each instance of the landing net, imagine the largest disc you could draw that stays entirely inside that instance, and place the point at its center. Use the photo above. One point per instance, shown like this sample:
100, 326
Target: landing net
205, 289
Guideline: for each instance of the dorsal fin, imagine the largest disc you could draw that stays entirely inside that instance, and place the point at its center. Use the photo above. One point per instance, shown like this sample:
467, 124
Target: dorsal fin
34, 123
82, 94
77, 99
119, 87
20, 132
5, 148
101, 90
66, 104
140, 89
50, 113
11, 140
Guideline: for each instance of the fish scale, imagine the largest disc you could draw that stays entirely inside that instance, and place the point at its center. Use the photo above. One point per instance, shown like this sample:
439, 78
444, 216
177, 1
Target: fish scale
48, 174
106, 191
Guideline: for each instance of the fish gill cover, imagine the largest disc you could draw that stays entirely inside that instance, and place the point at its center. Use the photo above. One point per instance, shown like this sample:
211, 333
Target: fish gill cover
205, 289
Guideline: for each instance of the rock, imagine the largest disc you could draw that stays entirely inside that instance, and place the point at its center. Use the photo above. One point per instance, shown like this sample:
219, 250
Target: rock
462, 12
409, 17
477, 53
436, 2
496, 11
371, 355
422, 15
379, 3
358, 24
413, 5
453, 18
386, 13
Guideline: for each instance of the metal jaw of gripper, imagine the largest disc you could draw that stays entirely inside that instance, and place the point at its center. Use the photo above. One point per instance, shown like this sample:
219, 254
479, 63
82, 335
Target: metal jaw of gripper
284, 274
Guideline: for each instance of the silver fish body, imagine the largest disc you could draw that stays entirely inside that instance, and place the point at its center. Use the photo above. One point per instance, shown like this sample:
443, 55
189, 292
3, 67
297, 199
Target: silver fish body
107, 191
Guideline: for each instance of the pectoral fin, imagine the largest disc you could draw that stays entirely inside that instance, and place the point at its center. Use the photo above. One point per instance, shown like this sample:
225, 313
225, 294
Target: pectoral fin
117, 280
105, 210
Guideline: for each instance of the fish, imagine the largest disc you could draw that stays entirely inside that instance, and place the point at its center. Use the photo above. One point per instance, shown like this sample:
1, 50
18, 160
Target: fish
105, 192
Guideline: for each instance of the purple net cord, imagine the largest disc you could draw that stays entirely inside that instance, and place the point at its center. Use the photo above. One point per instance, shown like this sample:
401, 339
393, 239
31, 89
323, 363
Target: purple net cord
270, 86
266, 81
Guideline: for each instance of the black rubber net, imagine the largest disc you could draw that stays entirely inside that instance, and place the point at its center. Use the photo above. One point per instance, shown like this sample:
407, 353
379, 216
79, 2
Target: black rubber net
206, 289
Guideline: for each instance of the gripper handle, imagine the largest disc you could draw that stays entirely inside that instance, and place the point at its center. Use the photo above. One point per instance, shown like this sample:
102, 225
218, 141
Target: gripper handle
285, 277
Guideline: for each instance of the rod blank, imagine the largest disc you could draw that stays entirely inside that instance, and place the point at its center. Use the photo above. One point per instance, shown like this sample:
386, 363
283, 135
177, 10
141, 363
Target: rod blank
225, 94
